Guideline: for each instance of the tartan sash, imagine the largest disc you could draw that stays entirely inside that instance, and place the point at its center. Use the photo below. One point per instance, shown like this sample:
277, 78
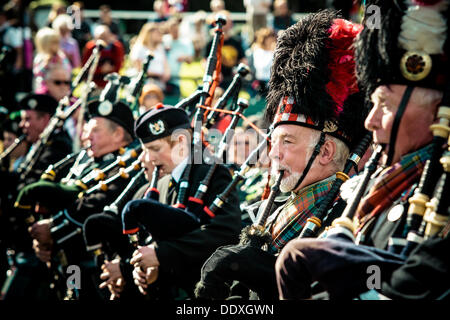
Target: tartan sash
289, 221
391, 184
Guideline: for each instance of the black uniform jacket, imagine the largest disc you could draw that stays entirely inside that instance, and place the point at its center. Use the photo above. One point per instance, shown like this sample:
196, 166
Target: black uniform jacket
181, 258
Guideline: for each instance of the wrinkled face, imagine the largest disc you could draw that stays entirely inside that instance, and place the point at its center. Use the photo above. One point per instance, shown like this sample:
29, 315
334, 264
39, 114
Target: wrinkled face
58, 83
414, 129
290, 152
33, 124
99, 135
158, 153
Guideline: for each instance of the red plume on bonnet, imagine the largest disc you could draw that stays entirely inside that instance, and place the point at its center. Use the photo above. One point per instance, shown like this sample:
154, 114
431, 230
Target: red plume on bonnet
341, 61
313, 82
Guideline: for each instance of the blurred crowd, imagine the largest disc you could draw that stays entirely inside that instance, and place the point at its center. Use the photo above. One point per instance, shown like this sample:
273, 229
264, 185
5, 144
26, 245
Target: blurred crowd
45, 59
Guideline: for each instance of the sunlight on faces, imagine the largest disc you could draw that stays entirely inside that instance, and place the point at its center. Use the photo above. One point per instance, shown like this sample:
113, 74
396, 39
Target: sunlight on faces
157, 153
33, 123
58, 83
414, 131
166, 153
180, 139
291, 149
241, 145
101, 137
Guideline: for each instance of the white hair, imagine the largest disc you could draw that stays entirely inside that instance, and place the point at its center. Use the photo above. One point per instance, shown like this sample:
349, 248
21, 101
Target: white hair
340, 156
63, 20
99, 30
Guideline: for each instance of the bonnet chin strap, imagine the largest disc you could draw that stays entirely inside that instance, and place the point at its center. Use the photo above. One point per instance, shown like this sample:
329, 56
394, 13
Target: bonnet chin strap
311, 160
396, 124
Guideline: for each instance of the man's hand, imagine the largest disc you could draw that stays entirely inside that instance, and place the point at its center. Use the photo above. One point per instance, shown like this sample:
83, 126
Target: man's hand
42, 251
113, 278
151, 275
140, 280
145, 257
41, 232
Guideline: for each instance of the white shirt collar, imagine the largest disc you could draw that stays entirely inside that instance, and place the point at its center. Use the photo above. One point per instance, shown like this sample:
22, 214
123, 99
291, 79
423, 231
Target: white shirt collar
179, 169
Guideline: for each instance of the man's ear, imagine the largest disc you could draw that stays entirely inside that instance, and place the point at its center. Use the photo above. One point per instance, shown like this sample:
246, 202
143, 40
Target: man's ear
119, 134
327, 152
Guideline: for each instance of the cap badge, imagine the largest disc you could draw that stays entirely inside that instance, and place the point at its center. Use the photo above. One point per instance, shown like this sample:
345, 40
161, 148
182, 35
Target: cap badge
330, 126
105, 108
32, 103
415, 65
157, 128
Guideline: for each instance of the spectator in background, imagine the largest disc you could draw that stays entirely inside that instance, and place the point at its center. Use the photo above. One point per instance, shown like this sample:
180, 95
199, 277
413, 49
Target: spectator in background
148, 41
257, 11
216, 6
58, 8
191, 73
261, 58
107, 20
282, 16
194, 27
82, 32
150, 97
57, 81
177, 6
161, 13
111, 57
232, 51
178, 50
49, 53
11, 41
63, 24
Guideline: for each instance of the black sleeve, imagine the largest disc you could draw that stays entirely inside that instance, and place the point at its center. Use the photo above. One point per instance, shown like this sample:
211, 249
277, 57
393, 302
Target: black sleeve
57, 148
425, 274
183, 257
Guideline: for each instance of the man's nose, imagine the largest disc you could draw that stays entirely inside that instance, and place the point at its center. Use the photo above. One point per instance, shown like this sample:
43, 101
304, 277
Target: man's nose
373, 120
275, 153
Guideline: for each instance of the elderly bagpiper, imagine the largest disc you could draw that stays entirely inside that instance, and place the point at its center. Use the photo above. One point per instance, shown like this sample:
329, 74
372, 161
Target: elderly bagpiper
315, 107
404, 68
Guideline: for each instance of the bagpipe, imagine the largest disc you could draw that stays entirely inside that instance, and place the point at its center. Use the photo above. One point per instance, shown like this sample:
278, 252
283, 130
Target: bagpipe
54, 172
56, 122
427, 214
194, 205
126, 158
5, 154
344, 224
135, 92
63, 111
93, 235
210, 82
124, 173
88, 71
314, 224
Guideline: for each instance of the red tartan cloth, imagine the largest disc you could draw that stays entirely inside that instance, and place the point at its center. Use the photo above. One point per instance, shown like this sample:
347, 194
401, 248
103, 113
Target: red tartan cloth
391, 184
